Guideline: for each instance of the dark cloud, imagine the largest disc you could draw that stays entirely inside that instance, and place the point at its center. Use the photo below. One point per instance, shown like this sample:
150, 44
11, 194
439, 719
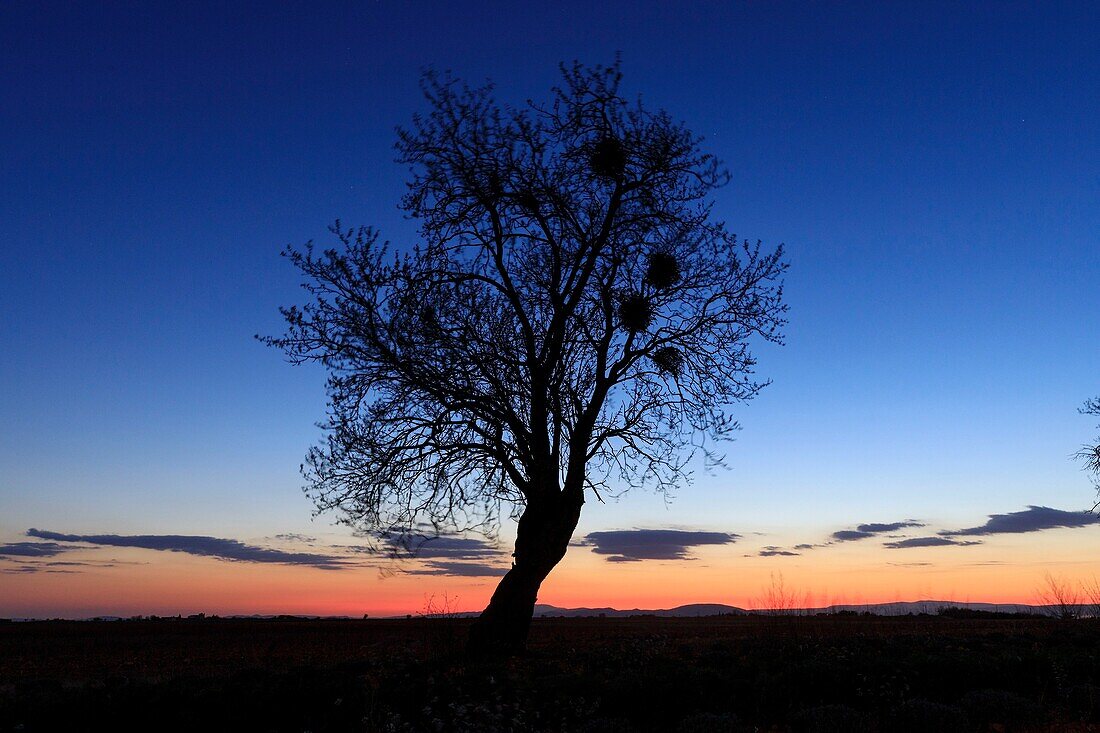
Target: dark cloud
295, 537
863, 531
464, 557
631, 545
456, 548
223, 549
1032, 519
32, 549
32, 568
805, 546
459, 569
435, 548
57, 564
847, 535
622, 558
925, 542
877, 527
773, 551
39, 565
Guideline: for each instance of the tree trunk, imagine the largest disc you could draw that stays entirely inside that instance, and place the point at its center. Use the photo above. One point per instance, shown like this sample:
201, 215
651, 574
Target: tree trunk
542, 538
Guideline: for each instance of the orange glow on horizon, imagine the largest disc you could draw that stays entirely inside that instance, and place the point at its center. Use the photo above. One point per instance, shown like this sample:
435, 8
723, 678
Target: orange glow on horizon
152, 583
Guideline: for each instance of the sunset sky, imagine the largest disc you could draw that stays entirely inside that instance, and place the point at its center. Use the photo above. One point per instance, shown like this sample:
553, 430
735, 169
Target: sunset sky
933, 169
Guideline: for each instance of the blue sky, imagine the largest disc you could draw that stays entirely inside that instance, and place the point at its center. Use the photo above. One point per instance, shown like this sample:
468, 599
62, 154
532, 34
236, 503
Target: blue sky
933, 169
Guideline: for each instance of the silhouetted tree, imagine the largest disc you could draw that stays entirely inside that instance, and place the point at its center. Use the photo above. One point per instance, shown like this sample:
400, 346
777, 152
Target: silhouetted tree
1090, 453
573, 319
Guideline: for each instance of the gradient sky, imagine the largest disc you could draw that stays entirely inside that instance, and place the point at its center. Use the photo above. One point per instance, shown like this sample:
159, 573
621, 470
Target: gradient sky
933, 168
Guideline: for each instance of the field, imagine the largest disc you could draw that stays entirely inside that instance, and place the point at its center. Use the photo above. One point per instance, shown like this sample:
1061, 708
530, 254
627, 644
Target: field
735, 673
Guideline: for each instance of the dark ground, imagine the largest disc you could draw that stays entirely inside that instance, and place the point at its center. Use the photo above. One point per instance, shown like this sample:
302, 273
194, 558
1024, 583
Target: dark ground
839, 673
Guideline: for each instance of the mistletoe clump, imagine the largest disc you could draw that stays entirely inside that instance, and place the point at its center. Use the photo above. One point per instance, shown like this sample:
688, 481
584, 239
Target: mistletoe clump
669, 360
636, 312
608, 158
663, 270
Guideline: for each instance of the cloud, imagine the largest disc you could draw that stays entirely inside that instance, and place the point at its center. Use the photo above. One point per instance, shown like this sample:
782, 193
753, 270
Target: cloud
925, 542
632, 545
36, 565
295, 537
877, 527
863, 531
459, 569
57, 563
425, 547
773, 551
32, 549
846, 535
456, 548
1032, 519
223, 549
21, 569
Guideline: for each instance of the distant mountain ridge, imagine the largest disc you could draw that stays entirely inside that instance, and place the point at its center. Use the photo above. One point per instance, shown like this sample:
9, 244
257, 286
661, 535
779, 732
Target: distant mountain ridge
691, 610
694, 610
688, 611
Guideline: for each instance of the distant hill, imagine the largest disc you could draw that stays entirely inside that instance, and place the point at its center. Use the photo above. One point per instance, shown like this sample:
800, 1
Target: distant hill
690, 610
900, 608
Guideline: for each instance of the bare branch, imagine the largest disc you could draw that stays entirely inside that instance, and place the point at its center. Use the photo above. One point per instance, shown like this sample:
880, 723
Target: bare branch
575, 318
